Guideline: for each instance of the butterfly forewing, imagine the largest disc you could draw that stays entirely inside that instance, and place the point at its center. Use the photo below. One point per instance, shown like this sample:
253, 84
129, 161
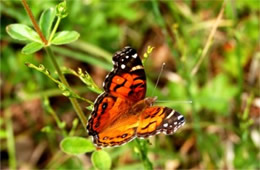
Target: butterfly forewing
127, 79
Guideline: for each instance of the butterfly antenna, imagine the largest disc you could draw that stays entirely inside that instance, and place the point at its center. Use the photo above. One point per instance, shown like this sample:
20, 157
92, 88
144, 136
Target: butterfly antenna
180, 101
157, 81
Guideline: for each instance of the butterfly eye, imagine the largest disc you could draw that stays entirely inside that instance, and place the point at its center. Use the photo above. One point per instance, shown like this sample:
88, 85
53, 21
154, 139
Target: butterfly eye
104, 105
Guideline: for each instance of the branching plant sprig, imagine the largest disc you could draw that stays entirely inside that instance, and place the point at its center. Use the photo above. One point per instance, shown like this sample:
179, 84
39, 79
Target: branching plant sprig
84, 77
36, 40
66, 91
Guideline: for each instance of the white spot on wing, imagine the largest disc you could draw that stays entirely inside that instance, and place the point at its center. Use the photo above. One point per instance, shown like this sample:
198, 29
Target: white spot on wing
137, 68
127, 56
165, 125
180, 117
134, 56
123, 66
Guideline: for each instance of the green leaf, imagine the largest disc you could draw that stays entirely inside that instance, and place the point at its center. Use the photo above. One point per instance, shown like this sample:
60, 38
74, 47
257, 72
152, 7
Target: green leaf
101, 160
32, 47
65, 37
22, 32
76, 145
46, 21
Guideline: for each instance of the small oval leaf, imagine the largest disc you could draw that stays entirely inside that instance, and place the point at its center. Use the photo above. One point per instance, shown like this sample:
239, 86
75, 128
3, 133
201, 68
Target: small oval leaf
65, 37
101, 160
76, 145
46, 21
31, 47
22, 32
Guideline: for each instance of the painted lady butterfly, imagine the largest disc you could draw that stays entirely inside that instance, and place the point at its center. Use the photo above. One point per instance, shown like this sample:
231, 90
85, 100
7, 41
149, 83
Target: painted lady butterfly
122, 112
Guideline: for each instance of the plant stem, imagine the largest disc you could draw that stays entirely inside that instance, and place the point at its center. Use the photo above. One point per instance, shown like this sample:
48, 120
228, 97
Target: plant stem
55, 116
55, 29
209, 40
142, 147
37, 28
74, 101
10, 140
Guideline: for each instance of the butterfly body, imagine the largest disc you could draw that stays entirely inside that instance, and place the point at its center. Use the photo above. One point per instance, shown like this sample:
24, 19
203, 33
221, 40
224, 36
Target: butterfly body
122, 112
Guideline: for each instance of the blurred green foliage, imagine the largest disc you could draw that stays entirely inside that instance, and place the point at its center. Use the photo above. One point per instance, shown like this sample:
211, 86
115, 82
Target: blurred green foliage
222, 129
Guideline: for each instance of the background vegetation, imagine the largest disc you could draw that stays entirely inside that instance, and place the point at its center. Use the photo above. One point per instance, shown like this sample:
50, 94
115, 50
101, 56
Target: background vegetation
218, 70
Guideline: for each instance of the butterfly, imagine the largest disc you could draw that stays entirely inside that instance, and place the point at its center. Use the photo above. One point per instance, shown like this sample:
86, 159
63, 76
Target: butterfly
122, 113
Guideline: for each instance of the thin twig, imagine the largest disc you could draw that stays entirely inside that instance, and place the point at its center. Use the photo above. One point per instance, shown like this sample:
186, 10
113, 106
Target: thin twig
209, 40
64, 81
36, 26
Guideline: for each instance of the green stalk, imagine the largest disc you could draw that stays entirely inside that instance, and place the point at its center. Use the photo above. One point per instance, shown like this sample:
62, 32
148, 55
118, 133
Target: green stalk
142, 149
55, 116
54, 29
74, 101
10, 140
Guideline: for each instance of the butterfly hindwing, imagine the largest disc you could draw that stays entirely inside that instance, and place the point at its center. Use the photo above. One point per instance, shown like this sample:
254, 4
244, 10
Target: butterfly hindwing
119, 132
154, 120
